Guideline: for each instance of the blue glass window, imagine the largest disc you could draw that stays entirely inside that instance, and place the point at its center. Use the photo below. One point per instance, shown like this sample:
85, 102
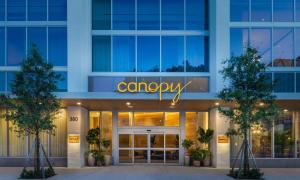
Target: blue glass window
10, 78
2, 81
172, 54
298, 82
148, 14
297, 46
37, 10
239, 39
2, 46
239, 10
57, 10
62, 86
196, 14
101, 54
16, 46
283, 10
123, 14
16, 10
261, 40
57, 46
2, 10
261, 10
297, 10
172, 14
124, 54
38, 36
102, 14
148, 54
285, 82
196, 54
283, 47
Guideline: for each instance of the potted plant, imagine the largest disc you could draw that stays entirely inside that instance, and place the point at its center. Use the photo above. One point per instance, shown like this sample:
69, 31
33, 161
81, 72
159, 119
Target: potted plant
205, 136
107, 157
186, 144
93, 140
197, 156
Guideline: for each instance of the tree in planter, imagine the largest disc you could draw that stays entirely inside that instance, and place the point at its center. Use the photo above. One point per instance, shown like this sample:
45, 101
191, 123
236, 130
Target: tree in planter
94, 154
31, 105
249, 90
187, 144
105, 144
205, 136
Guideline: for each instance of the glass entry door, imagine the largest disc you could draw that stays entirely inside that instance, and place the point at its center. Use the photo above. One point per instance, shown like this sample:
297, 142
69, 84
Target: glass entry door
149, 148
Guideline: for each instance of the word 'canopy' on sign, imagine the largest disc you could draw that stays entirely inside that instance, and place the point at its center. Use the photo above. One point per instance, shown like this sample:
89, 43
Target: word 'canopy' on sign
153, 87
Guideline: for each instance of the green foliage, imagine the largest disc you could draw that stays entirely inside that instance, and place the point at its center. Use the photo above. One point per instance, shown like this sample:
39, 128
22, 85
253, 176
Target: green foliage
247, 86
32, 103
187, 143
205, 136
93, 136
30, 174
105, 143
197, 154
252, 174
97, 154
206, 153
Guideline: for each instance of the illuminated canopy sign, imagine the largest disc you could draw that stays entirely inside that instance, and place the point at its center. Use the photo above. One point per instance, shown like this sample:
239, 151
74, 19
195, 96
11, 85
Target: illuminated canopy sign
153, 87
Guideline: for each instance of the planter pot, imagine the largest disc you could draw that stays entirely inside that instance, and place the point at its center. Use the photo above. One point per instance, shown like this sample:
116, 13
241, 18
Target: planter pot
99, 163
206, 162
91, 160
107, 160
187, 160
197, 163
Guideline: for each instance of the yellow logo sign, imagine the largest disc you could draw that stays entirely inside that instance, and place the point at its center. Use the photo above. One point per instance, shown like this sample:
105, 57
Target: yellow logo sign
74, 138
153, 87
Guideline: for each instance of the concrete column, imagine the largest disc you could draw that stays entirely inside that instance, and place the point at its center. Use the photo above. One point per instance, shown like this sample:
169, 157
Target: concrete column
115, 139
77, 126
220, 150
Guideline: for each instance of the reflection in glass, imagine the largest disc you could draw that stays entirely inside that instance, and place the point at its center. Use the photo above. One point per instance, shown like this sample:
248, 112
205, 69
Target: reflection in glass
125, 156
283, 10
191, 126
148, 14
123, 14
10, 77
125, 140
284, 136
101, 54
261, 140
172, 119
101, 14
124, 54
148, 119
157, 156
2, 10
147, 80
37, 10
94, 119
16, 10
140, 140
298, 84
57, 10
297, 45
239, 39
124, 119
261, 40
297, 128
283, 44
172, 156
140, 156
196, 14
261, 10
16, 45
297, 3
239, 10
157, 140
172, 14
148, 54
172, 54
38, 36
62, 86
96, 83
172, 140
285, 82
2, 80
199, 84
57, 46
196, 54
2, 47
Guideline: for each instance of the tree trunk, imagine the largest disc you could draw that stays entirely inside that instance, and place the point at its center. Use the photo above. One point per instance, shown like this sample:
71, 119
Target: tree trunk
246, 164
37, 167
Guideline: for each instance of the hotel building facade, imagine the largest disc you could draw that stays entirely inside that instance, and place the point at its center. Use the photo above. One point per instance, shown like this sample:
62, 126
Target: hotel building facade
114, 55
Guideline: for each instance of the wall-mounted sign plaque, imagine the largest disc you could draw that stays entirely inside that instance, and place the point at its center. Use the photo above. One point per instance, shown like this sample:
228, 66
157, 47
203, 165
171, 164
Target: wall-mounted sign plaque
73, 138
223, 139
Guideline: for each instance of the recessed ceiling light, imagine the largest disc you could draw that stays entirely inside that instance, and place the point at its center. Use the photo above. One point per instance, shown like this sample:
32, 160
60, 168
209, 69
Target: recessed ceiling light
128, 103
217, 104
261, 104
285, 110
78, 103
173, 104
